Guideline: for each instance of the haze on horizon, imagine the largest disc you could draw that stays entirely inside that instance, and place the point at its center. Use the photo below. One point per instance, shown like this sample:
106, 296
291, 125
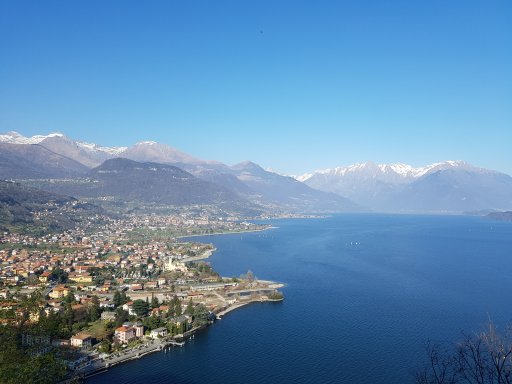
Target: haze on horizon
293, 86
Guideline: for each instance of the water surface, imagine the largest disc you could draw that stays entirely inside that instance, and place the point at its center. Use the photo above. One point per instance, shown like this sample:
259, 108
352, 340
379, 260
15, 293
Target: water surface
363, 295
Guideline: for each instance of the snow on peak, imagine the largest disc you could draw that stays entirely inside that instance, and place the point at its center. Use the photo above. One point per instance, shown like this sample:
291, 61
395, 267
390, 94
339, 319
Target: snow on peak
97, 148
17, 138
401, 170
146, 143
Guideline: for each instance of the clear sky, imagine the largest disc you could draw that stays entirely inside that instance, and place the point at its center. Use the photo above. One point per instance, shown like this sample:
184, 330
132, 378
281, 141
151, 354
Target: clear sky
292, 85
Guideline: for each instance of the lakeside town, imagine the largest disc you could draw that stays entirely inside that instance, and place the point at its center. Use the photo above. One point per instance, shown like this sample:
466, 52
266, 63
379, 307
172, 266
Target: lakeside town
77, 302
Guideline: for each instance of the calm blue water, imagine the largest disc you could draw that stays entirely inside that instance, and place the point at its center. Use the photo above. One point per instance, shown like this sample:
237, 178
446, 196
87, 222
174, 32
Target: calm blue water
364, 293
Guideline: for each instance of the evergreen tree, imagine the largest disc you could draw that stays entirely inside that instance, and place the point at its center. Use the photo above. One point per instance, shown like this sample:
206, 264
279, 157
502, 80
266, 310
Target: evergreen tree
70, 298
117, 298
177, 307
190, 307
124, 298
94, 310
154, 301
121, 316
141, 307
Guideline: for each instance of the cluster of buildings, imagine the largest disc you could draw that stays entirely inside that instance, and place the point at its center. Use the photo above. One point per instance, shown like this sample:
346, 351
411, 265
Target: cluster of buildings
28, 260
87, 267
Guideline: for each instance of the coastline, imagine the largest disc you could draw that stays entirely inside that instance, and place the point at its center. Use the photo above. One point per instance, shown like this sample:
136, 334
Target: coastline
231, 308
228, 233
99, 366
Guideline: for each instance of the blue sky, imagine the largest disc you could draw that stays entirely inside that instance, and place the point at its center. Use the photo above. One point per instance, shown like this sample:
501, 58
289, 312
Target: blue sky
291, 85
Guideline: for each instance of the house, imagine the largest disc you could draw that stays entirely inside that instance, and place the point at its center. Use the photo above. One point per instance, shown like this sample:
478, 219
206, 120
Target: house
82, 268
172, 264
162, 310
59, 292
80, 277
137, 287
183, 319
151, 285
44, 276
106, 287
139, 329
124, 334
158, 332
107, 304
81, 340
128, 307
29, 340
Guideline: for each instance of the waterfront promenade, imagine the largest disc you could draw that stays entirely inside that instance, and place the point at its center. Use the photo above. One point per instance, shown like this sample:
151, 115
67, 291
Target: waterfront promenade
99, 364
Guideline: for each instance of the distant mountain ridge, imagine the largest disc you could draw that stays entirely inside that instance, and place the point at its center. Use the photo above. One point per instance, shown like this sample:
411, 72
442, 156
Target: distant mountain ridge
450, 186
388, 171
145, 182
86, 166
445, 187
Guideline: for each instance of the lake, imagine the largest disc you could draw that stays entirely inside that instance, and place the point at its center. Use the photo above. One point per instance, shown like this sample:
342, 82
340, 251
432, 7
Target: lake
363, 294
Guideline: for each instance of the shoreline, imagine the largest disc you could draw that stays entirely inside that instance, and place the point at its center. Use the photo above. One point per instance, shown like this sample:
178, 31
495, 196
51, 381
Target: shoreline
208, 253
99, 366
228, 233
231, 308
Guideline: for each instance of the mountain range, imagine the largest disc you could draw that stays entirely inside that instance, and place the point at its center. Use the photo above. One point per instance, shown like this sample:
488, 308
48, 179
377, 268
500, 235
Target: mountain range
451, 186
154, 172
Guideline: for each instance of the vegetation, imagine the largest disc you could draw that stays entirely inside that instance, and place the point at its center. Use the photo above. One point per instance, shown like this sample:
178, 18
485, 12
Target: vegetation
276, 295
174, 307
36, 212
26, 365
482, 358
140, 307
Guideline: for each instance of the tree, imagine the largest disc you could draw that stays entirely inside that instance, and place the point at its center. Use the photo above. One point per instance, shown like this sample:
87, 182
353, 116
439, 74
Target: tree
200, 315
482, 358
190, 307
174, 307
104, 346
154, 301
58, 275
140, 307
117, 298
70, 298
152, 322
121, 316
124, 298
94, 310
177, 306
18, 366
68, 314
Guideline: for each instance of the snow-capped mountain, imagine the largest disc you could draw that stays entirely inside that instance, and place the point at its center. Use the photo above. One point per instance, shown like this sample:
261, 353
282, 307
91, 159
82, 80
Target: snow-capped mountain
444, 186
113, 151
450, 186
91, 154
13, 137
399, 172
61, 157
